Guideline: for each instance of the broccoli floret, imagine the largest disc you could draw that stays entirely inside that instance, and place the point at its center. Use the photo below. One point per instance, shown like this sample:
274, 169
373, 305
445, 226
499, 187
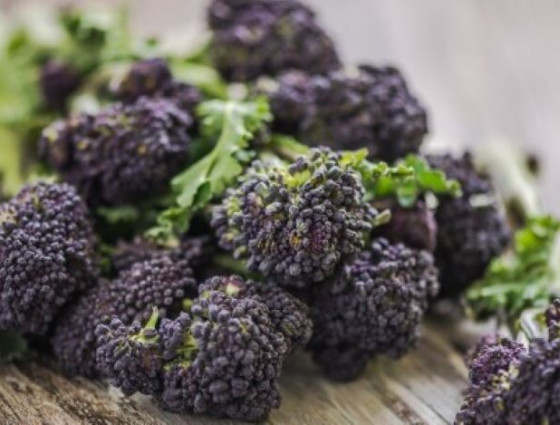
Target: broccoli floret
374, 306
162, 283
296, 223
153, 78
196, 251
131, 356
221, 357
415, 227
47, 255
288, 315
511, 384
265, 37
472, 230
122, 154
73, 341
493, 356
58, 81
373, 109
128, 253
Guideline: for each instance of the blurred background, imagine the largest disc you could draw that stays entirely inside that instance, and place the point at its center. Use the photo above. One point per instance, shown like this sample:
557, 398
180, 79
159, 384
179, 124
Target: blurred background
487, 70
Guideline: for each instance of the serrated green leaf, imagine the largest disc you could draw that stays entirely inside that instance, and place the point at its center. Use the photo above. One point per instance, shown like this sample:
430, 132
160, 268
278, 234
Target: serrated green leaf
407, 180
229, 127
526, 279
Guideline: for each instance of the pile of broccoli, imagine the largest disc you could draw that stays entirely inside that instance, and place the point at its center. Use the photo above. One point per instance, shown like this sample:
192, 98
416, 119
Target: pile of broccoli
188, 235
511, 383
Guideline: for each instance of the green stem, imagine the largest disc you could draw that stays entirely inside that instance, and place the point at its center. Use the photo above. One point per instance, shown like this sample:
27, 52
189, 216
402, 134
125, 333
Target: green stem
287, 147
227, 262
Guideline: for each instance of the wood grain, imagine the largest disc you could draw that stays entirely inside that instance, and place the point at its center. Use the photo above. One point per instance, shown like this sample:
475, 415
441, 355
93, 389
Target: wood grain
422, 389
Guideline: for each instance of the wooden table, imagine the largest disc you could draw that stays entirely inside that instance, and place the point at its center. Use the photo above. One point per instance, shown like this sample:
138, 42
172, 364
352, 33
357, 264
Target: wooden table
486, 69
422, 389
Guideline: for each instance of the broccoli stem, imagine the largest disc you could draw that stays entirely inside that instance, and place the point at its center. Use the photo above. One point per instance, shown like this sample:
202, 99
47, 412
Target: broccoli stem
227, 262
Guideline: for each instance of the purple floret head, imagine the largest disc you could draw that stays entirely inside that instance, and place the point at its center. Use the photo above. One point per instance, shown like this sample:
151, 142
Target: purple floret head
160, 283
373, 109
267, 37
222, 355
296, 223
47, 255
153, 78
373, 307
58, 81
122, 154
472, 229
131, 356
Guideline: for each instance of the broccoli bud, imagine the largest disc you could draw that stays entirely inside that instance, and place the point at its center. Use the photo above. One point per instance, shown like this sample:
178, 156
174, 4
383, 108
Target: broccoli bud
131, 356
47, 255
472, 230
153, 78
196, 251
374, 306
296, 223
264, 37
512, 384
222, 356
373, 109
58, 81
122, 154
160, 282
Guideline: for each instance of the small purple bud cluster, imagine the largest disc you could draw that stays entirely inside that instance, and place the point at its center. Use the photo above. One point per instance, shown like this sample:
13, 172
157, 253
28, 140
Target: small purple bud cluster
373, 109
252, 38
296, 223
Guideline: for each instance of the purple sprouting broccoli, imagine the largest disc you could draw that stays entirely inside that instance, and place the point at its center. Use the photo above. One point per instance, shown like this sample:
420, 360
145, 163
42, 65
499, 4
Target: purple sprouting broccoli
131, 355
153, 78
374, 306
196, 251
221, 356
514, 385
296, 223
160, 282
472, 229
493, 356
58, 81
122, 154
372, 109
47, 255
252, 38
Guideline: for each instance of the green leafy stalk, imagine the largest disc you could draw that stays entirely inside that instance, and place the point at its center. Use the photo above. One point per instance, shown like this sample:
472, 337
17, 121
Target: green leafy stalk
229, 126
526, 279
409, 179
406, 181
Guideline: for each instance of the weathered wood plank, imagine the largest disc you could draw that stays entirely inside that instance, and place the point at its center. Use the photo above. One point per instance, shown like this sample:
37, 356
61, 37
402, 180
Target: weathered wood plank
423, 389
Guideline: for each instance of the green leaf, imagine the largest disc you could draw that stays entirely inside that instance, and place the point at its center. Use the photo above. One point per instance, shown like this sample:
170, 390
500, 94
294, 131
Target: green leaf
228, 126
12, 346
526, 279
408, 180
206, 78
